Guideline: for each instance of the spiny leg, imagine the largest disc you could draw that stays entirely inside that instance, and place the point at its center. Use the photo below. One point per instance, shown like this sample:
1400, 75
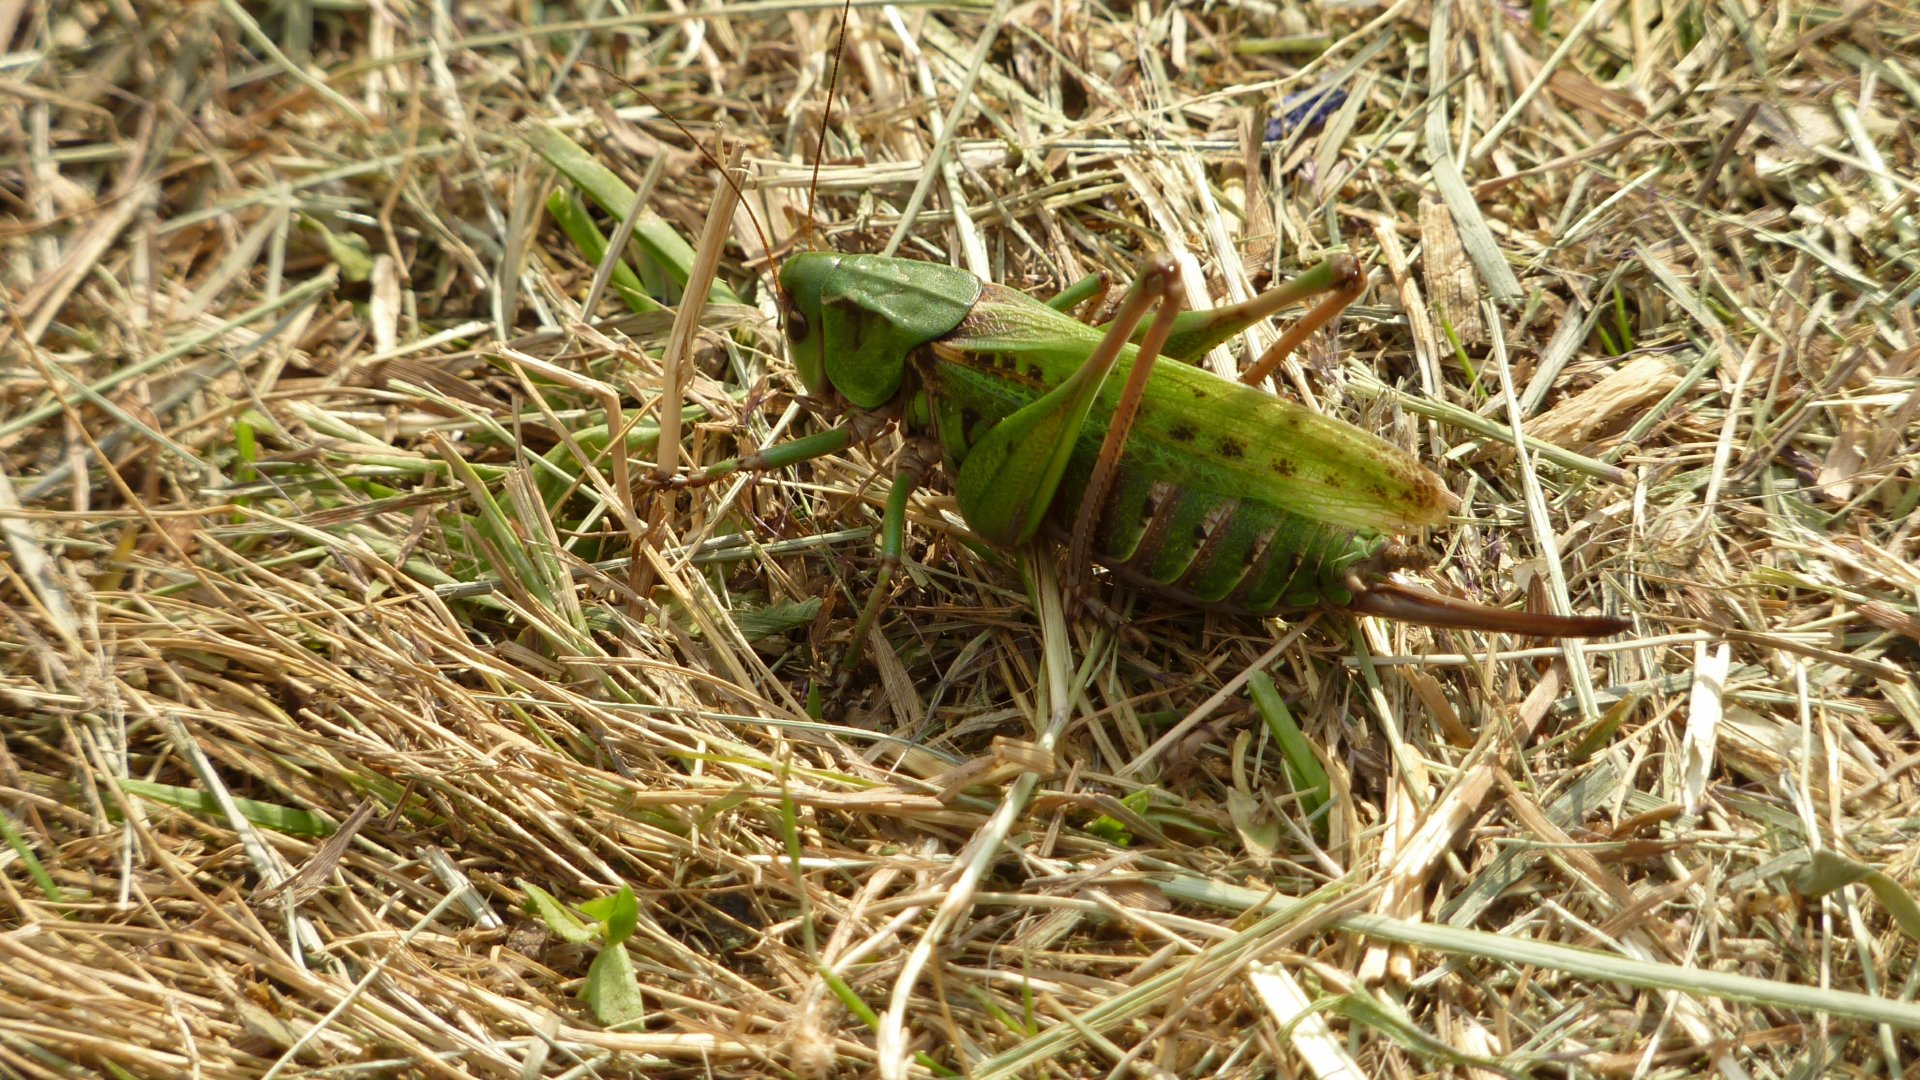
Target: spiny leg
778, 456
1347, 282
1159, 285
1196, 332
907, 476
1403, 603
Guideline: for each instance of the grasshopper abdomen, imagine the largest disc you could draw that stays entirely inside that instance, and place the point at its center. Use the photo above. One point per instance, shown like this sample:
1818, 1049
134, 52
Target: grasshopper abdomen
1172, 522
1225, 552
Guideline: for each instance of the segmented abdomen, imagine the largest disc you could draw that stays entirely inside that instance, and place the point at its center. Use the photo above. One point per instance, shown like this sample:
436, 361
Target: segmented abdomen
1233, 552
1166, 525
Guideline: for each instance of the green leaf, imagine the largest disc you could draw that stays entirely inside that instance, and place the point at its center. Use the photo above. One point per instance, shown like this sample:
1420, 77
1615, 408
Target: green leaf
280, 819
546, 907
1827, 871
776, 619
612, 989
624, 916
577, 223
1388, 1017
246, 450
1259, 832
1600, 734
1114, 830
653, 236
18, 842
1303, 765
618, 913
349, 251
1110, 830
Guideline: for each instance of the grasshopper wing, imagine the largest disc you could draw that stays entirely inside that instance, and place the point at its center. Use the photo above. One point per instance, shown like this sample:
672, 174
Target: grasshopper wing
1315, 466
1198, 430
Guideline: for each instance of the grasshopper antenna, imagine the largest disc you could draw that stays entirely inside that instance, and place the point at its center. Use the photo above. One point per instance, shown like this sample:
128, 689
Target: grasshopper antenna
826, 116
699, 147
774, 256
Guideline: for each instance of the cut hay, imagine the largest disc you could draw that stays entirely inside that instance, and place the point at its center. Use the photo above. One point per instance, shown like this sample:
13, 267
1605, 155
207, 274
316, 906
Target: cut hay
344, 663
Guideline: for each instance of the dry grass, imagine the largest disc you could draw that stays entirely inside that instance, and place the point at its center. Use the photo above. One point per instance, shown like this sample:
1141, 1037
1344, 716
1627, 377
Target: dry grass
303, 497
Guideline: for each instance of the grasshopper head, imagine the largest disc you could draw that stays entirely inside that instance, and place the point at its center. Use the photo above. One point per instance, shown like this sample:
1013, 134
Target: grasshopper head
801, 281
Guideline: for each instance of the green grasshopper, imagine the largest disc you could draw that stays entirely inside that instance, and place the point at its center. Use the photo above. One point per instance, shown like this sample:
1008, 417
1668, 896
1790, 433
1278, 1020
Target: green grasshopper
1209, 492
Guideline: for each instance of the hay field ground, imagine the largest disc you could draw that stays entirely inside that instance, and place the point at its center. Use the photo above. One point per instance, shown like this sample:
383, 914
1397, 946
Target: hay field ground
343, 662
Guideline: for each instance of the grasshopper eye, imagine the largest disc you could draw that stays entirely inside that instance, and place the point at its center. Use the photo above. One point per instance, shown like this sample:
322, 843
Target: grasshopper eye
797, 327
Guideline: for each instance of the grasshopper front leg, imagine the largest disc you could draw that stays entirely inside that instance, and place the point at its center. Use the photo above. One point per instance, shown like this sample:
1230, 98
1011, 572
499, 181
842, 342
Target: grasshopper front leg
860, 427
778, 456
907, 475
911, 470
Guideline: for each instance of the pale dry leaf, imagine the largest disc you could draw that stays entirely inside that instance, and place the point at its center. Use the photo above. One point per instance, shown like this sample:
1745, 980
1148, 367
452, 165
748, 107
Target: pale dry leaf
1847, 454
1762, 747
1450, 277
1704, 710
383, 310
1888, 617
1613, 401
1323, 1052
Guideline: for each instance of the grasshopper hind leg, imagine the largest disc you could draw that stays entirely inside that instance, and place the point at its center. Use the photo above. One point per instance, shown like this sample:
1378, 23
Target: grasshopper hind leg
1157, 286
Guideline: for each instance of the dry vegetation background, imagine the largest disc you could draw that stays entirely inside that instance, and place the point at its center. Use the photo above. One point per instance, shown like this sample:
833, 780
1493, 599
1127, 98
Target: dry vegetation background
334, 635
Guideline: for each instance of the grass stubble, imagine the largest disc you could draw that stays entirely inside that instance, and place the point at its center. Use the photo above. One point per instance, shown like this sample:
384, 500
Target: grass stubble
336, 634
